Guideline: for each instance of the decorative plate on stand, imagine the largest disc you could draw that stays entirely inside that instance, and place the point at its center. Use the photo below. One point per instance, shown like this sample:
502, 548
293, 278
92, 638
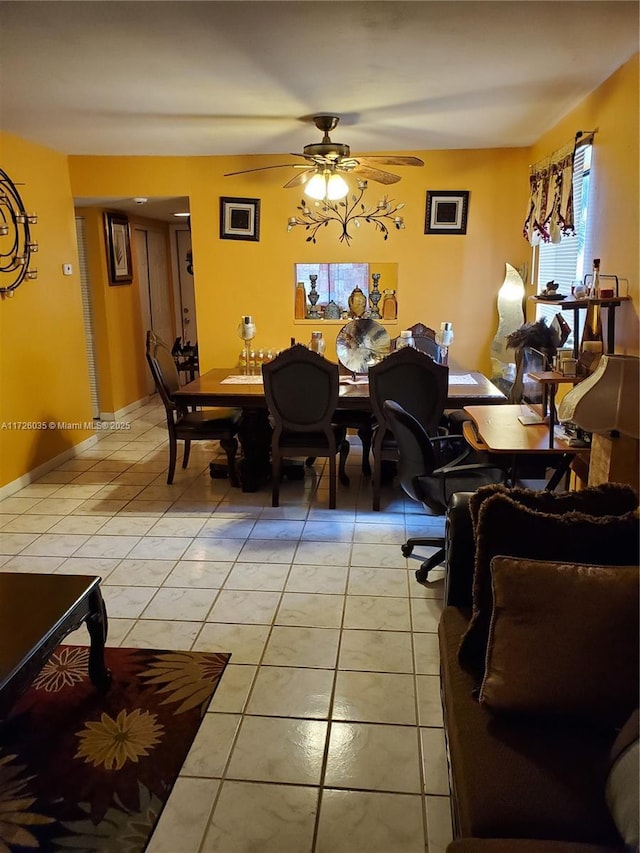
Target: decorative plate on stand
362, 343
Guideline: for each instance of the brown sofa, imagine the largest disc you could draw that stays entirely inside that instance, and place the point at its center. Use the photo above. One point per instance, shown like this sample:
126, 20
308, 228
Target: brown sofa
525, 782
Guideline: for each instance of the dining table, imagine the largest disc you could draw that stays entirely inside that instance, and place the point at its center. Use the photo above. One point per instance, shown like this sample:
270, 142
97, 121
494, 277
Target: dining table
228, 386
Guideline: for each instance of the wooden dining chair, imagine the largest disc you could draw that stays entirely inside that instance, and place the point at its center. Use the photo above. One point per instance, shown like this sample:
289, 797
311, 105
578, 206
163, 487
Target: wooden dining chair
420, 385
218, 424
301, 389
424, 340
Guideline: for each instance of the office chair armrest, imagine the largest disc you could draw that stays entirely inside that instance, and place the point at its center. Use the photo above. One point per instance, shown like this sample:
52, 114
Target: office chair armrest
461, 470
445, 446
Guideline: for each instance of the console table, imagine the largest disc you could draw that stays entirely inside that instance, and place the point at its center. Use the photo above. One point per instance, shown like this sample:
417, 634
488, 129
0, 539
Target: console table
37, 611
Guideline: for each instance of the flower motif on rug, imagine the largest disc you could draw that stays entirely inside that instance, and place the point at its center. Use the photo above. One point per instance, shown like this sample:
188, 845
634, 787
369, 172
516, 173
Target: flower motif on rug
15, 806
68, 666
121, 829
111, 743
188, 680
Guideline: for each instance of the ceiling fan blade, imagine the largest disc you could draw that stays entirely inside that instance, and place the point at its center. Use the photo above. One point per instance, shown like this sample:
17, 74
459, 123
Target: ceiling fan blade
299, 179
376, 174
264, 169
391, 160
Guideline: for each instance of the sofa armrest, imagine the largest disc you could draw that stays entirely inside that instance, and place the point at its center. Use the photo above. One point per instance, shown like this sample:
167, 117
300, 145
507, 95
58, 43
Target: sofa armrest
460, 549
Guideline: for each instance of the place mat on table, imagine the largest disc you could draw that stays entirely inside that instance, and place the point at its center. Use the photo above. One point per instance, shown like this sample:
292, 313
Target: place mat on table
241, 379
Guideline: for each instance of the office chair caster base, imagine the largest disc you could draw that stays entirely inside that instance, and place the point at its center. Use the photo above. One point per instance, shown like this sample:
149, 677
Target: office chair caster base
407, 550
422, 574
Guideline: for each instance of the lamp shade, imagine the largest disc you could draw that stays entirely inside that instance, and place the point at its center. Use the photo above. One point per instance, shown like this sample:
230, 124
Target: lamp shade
607, 400
326, 185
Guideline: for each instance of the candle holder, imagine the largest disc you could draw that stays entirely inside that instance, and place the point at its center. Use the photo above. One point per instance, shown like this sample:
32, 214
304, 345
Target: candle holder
375, 296
313, 299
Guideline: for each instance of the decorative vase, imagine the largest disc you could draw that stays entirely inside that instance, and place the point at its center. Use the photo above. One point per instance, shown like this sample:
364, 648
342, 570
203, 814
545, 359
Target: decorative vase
389, 305
357, 302
313, 299
375, 296
301, 301
332, 312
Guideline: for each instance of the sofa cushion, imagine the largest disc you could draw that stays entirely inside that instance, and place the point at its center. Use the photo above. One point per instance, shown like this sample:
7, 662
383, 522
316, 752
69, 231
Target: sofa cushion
622, 790
563, 640
520, 779
543, 526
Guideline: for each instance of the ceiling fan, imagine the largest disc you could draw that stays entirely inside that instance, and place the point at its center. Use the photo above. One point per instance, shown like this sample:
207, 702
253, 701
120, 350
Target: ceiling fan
325, 159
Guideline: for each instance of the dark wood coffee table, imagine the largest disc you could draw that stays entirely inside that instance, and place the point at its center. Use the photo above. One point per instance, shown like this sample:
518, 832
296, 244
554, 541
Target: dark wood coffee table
37, 612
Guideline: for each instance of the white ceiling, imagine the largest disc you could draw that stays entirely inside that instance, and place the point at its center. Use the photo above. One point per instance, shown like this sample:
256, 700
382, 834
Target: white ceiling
201, 78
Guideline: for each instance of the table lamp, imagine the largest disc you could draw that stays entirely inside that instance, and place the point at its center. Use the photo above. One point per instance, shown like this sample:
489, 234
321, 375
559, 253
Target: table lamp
606, 404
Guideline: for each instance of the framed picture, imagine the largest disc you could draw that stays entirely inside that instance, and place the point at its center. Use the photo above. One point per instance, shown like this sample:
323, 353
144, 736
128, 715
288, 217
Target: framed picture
446, 212
240, 219
118, 248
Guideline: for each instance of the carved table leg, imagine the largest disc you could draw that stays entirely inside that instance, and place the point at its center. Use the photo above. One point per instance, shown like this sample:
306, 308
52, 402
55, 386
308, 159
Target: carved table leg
97, 626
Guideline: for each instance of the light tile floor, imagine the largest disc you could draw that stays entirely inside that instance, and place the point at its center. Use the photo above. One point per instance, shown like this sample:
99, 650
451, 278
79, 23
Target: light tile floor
325, 735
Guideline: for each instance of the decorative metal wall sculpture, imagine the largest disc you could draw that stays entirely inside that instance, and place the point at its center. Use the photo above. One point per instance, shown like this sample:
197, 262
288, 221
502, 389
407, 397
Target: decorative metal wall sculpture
16, 245
347, 212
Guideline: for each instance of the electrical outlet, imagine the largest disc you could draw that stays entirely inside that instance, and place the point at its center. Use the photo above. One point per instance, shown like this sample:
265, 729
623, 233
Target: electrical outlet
67, 269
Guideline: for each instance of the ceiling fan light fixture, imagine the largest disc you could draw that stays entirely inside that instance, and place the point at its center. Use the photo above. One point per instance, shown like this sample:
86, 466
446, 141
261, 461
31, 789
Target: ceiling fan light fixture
337, 187
326, 185
316, 187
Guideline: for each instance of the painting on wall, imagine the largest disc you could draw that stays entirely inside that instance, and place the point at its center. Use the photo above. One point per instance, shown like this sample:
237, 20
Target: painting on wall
239, 218
446, 212
118, 248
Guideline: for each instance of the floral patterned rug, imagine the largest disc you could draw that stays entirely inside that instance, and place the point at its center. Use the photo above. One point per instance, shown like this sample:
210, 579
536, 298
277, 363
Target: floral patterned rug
84, 771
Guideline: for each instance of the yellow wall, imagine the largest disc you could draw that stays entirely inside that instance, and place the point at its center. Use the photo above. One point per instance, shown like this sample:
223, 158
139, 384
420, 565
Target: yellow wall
43, 365
43, 368
613, 110
454, 278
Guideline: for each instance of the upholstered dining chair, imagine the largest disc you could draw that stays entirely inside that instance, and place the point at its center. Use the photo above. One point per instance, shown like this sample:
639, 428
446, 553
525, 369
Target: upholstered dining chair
219, 424
301, 389
420, 385
431, 470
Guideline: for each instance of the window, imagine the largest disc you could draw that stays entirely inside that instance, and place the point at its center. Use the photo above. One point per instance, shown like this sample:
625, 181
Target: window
335, 281
567, 262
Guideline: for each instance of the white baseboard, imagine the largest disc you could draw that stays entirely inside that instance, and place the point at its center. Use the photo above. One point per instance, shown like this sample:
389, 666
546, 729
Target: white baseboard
126, 410
31, 476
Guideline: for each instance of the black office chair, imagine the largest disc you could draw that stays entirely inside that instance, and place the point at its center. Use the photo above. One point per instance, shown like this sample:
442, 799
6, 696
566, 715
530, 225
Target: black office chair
431, 471
419, 385
219, 424
301, 388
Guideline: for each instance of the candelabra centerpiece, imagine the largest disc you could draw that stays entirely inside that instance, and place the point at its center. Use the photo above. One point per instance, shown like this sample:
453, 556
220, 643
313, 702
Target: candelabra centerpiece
348, 212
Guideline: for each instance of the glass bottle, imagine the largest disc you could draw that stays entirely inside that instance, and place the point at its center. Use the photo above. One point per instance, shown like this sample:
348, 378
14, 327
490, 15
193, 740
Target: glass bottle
317, 343
595, 283
591, 345
405, 339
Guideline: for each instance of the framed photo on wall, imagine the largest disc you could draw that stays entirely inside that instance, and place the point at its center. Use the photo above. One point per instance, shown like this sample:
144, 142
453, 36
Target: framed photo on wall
446, 212
118, 248
239, 218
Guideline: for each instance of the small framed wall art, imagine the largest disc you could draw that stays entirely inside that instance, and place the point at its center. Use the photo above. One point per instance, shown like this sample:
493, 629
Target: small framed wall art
118, 248
239, 218
446, 212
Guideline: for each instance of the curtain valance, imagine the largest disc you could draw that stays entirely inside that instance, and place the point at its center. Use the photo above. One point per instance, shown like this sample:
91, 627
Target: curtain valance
550, 214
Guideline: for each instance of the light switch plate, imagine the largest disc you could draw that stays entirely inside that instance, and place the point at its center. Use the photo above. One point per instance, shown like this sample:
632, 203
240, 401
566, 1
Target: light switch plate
67, 269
